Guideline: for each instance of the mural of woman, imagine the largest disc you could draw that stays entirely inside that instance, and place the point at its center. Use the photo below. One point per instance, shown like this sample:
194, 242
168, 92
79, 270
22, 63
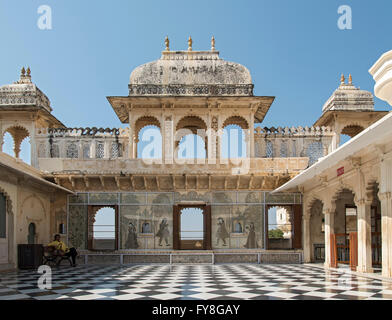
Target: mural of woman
251, 242
132, 237
163, 232
221, 233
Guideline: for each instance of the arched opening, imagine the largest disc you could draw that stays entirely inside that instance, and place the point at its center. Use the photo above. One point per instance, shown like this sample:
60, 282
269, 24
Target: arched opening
376, 231
192, 228
102, 228
149, 144
147, 138
317, 232
234, 138
345, 224
280, 227
16, 142
32, 234
349, 132
191, 138
6, 229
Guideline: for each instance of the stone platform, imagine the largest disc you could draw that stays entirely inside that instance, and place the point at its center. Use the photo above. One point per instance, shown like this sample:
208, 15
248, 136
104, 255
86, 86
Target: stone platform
190, 257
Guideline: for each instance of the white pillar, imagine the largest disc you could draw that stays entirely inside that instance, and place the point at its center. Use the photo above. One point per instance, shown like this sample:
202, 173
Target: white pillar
364, 236
329, 229
130, 138
168, 151
306, 237
385, 196
386, 234
252, 136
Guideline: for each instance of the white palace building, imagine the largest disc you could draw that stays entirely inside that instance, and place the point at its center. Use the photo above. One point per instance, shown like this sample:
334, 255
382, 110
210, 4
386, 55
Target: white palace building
295, 195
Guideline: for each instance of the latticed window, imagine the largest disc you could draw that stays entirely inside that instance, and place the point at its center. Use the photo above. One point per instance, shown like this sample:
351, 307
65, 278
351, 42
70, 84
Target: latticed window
314, 152
72, 151
269, 149
55, 151
283, 149
294, 148
86, 151
41, 151
116, 150
100, 150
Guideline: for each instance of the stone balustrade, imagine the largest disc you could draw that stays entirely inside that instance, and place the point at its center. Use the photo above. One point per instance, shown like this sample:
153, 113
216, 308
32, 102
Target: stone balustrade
100, 143
82, 143
313, 142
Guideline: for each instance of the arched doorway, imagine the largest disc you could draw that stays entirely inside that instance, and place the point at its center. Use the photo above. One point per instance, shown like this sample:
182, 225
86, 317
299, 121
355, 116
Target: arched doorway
7, 255
344, 242
103, 228
192, 227
375, 218
316, 230
284, 227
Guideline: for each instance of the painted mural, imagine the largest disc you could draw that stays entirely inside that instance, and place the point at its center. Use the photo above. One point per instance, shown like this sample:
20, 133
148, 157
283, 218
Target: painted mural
146, 218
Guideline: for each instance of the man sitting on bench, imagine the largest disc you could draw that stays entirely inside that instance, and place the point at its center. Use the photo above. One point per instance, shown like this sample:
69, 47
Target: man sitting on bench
59, 245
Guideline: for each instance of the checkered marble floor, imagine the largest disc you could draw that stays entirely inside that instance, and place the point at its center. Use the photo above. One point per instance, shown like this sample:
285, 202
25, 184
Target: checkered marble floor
193, 282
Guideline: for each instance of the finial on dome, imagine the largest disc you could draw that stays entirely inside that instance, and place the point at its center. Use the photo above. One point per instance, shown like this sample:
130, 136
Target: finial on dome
350, 79
342, 79
167, 43
213, 43
28, 72
190, 43
23, 71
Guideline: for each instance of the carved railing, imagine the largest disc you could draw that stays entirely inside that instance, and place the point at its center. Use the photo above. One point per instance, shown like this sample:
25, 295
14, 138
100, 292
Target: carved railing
311, 142
82, 143
293, 131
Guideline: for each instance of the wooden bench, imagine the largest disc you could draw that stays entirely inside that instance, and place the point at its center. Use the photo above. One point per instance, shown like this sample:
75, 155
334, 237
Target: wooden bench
53, 257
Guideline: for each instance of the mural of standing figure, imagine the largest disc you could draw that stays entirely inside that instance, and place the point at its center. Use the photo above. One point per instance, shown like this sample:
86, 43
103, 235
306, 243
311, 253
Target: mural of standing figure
132, 237
251, 242
163, 232
221, 233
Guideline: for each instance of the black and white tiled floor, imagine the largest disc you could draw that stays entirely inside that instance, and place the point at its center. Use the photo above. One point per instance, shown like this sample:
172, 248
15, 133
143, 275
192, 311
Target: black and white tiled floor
189, 282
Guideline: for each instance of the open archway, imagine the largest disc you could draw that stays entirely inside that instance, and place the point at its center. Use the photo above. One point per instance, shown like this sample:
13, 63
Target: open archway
16, 142
234, 138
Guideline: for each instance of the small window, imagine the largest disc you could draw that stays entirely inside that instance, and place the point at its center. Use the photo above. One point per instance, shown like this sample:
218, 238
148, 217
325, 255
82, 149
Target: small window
99, 152
55, 151
62, 228
146, 227
72, 151
269, 152
31, 236
238, 228
86, 151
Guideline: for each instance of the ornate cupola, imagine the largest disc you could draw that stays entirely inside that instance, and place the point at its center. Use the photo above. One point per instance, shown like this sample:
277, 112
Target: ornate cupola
348, 111
24, 109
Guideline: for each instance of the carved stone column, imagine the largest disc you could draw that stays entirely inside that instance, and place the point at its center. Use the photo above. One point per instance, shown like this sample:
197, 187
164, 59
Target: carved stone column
167, 152
130, 138
364, 236
386, 235
385, 196
329, 216
252, 136
306, 237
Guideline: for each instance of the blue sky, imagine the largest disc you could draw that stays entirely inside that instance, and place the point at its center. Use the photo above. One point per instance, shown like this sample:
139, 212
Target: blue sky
293, 49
